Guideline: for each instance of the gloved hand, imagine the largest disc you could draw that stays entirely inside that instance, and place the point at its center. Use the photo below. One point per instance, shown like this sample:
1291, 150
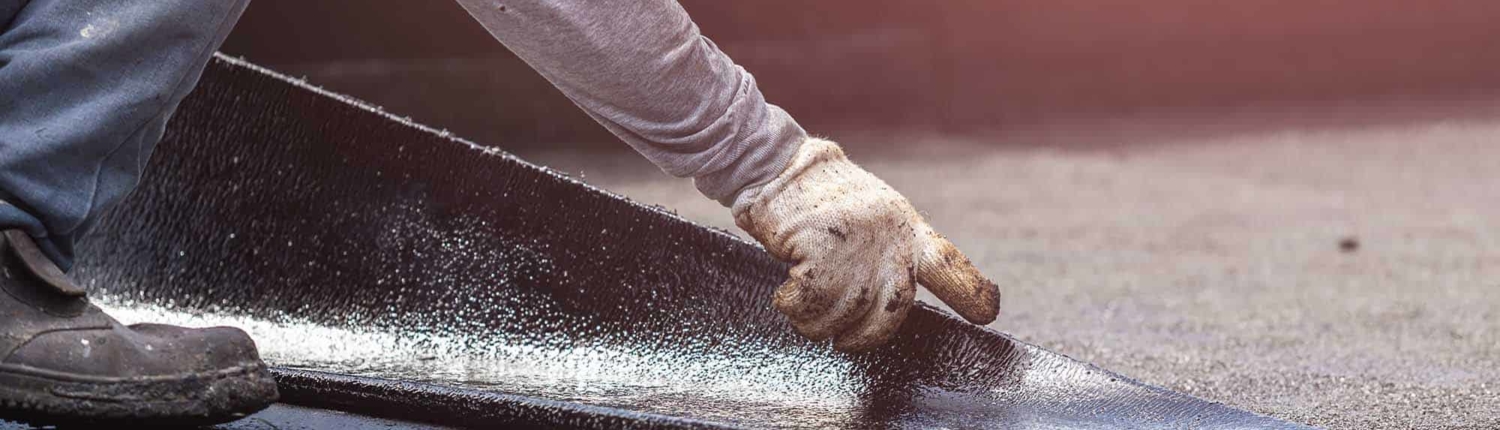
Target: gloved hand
858, 249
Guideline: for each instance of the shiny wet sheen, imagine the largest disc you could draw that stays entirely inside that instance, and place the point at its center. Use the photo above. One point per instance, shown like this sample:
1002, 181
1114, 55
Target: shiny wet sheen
353, 242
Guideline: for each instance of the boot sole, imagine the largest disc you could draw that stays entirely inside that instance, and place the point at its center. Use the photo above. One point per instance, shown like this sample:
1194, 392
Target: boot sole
39, 397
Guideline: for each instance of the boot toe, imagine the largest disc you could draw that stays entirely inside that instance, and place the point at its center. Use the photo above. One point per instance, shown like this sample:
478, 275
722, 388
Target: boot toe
202, 349
138, 351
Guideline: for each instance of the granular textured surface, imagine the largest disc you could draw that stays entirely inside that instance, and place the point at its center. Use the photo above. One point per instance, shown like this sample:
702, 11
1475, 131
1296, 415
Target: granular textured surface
1337, 265
465, 281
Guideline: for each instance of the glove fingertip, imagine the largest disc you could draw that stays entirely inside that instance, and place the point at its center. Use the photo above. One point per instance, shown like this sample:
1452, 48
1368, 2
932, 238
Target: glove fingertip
985, 307
950, 276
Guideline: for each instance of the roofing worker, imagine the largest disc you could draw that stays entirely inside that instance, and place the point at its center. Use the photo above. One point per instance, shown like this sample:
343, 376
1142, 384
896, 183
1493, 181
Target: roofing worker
87, 86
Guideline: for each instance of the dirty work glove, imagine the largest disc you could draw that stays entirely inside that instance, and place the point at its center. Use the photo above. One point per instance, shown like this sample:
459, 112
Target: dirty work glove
858, 249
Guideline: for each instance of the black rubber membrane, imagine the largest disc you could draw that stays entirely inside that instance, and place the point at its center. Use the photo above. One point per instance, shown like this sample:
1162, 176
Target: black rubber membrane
475, 289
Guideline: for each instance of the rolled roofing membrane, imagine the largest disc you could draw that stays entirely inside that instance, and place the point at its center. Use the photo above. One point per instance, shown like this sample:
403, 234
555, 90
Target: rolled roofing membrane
802, 387
394, 271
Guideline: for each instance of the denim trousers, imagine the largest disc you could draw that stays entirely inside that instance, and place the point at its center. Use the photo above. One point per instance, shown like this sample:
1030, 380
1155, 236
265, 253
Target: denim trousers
86, 89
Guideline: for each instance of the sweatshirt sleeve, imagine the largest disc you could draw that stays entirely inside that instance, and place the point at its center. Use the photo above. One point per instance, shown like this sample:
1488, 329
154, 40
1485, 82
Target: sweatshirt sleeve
642, 69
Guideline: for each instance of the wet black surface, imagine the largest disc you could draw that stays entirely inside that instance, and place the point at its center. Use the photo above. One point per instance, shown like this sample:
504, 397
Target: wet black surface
288, 417
459, 407
531, 297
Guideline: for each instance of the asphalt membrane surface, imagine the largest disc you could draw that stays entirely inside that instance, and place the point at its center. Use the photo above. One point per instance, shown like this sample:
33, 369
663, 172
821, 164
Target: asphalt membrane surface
262, 177
1334, 265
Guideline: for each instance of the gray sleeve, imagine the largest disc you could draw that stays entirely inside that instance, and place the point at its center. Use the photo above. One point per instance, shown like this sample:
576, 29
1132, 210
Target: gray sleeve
641, 69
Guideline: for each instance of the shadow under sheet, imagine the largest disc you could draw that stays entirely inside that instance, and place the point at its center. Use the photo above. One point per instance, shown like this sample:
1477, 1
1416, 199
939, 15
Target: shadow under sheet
392, 270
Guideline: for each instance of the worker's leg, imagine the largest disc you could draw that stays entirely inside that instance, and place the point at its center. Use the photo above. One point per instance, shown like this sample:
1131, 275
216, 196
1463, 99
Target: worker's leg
86, 87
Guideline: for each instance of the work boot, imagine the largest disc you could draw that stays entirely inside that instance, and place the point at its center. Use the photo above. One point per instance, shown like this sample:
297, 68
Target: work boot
63, 361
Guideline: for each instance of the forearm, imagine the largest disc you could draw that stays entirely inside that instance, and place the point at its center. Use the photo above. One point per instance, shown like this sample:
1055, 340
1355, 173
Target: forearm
642, 69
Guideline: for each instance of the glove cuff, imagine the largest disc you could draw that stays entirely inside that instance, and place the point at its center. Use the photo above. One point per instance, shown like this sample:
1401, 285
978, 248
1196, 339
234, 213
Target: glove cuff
810, 152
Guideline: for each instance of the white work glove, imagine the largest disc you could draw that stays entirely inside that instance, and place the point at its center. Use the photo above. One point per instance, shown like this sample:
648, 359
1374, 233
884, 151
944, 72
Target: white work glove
858, 249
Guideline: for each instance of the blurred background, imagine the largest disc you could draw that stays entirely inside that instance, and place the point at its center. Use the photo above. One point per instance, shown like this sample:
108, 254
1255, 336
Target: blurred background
950, 67
1288, 206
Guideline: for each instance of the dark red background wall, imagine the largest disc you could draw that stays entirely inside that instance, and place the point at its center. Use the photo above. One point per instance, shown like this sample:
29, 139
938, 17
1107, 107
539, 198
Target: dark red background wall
949, 66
